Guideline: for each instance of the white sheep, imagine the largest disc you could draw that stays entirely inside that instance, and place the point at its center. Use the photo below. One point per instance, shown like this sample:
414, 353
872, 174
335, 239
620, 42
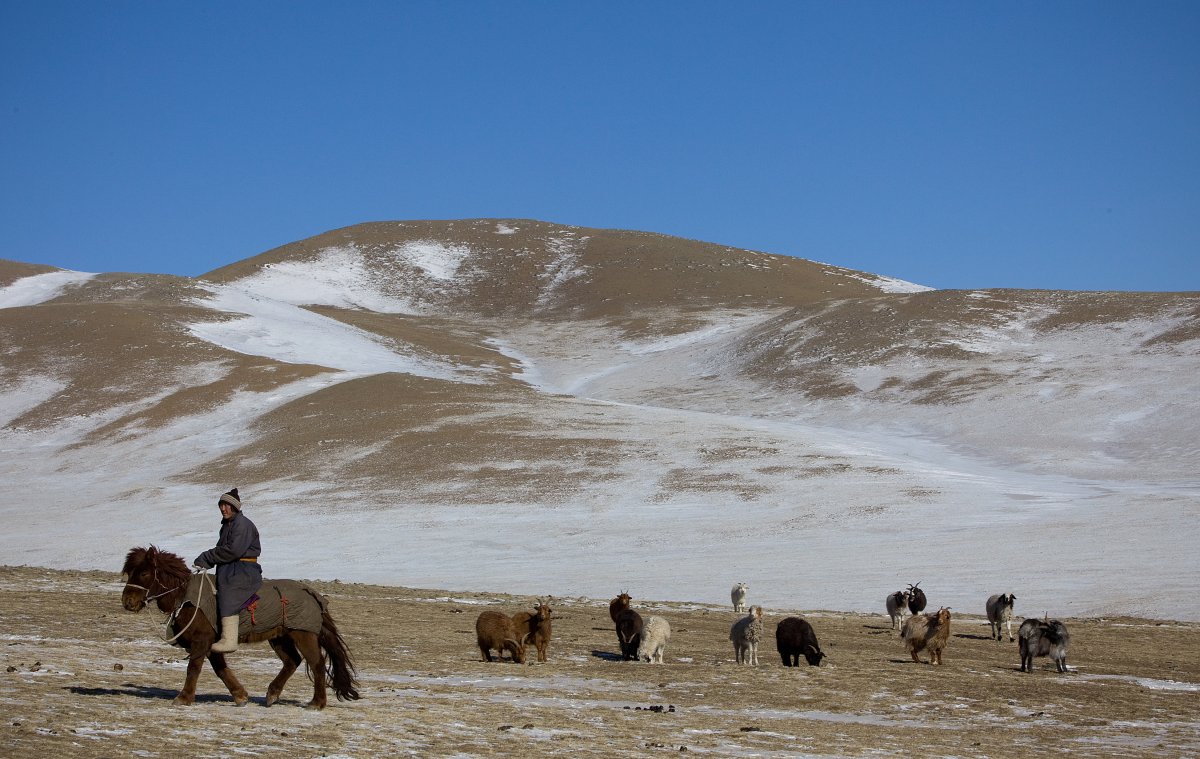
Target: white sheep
746, 634
655, 635
738, 596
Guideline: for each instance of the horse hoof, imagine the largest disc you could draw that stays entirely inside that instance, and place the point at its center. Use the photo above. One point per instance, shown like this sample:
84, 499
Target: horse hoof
181, 701
314, 706
270, 700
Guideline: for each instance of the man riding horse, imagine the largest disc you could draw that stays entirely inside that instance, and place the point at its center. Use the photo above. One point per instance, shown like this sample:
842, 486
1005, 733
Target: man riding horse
238, 574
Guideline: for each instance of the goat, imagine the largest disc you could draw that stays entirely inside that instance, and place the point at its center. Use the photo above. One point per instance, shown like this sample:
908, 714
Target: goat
745, 634
916, 599
535, 626
629, 633
999, 611
656, 633
738, 596
927, 631
618, 605
897, 605
496, 630
1043, 638
793, 637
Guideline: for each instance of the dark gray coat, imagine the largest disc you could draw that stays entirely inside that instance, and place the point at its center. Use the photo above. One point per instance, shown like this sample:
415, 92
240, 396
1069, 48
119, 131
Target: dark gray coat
236, 580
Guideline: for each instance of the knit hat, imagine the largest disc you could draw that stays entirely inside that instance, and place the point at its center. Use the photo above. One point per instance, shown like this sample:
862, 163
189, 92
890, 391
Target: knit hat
232, 499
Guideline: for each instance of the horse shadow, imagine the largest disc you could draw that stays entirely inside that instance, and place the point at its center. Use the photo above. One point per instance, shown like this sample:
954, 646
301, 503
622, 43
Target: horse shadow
167, 694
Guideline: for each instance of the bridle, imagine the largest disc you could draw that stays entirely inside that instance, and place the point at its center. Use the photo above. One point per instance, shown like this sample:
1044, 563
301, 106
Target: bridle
157, 582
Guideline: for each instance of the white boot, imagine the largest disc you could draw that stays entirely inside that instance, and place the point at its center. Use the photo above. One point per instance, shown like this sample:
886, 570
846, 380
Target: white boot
229, 635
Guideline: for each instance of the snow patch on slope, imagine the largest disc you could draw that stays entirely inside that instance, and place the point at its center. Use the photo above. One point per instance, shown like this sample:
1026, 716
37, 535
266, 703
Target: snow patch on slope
284, 332
39, 288
339, 277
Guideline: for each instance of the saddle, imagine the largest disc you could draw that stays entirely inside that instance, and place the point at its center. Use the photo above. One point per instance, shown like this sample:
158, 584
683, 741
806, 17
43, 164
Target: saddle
278, 603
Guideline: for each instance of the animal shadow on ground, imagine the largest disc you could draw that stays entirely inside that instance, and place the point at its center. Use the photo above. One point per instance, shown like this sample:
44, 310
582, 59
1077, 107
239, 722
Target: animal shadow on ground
878, 629
141, 691
606, 655
166, 694
970, 636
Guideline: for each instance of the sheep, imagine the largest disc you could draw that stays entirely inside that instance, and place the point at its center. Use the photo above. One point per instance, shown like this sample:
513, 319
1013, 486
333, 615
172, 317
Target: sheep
618, 605
738, 596
656, 633
916, 599
897, 605
629, 633
536, 626
927, 631
496, 630
1043, 638
793, 637
1000, 610
745, 634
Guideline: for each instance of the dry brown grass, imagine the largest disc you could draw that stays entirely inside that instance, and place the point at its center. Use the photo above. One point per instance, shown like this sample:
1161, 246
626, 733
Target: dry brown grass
87, 679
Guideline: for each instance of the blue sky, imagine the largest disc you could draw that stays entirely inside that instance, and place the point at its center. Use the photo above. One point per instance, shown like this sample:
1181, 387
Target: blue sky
960, 144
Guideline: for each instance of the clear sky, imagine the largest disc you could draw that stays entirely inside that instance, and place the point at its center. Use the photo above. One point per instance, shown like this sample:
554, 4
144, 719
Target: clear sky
958, 144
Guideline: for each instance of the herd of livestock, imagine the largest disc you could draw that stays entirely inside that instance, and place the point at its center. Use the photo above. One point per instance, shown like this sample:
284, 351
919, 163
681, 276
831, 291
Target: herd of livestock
646, 640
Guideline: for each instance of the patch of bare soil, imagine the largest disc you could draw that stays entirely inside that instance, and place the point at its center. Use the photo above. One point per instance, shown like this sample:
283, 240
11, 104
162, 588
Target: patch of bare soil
81, 677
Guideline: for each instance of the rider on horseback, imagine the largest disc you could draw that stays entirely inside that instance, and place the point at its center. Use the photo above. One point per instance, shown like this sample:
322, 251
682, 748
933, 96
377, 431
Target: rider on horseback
238, 574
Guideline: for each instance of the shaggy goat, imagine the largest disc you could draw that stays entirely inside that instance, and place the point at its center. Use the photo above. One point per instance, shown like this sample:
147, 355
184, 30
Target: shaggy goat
1043, 638
738, 596
656, 633
746, 634
897, 605
496, 630
795, 637
927, 631
535, 626
618, 605
629, 633
916, 599
999, 611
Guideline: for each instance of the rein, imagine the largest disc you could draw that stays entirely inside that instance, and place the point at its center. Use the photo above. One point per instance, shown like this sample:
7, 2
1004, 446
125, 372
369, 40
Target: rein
174, 613
171, 619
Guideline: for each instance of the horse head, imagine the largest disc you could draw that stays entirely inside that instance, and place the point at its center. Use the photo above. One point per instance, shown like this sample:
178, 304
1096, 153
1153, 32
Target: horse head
151, 574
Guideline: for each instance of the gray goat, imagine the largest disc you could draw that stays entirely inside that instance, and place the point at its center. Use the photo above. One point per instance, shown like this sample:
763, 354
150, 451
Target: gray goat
1043, 638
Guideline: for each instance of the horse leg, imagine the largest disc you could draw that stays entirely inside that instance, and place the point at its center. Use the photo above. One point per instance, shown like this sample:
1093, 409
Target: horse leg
217, 660
285, 649
310, 649
187, 696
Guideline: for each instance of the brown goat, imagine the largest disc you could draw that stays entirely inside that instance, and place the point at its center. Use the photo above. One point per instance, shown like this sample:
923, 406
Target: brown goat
927, 631
496, 630
536, 626
618, 605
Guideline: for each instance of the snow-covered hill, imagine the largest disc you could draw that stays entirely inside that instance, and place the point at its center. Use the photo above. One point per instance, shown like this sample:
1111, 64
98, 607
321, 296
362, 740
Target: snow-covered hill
514, 405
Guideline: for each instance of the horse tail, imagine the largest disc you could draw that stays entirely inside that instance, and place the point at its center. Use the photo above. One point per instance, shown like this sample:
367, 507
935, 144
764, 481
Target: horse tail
338, 665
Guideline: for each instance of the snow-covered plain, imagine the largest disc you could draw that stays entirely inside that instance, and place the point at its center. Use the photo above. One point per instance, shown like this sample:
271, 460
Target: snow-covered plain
835, 512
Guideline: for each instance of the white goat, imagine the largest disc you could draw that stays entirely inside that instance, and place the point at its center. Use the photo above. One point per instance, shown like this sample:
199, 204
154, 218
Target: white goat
897, 607
738, 596
1000, 611
655, 635
746, 634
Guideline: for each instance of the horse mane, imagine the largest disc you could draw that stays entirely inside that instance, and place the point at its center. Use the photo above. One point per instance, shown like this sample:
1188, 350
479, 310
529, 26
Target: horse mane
171, 569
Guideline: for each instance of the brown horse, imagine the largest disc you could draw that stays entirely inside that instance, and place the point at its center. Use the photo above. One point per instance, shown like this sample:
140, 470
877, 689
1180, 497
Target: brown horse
154, 575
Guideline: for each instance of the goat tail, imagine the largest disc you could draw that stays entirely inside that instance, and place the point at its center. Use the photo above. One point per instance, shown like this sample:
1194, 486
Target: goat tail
338, 664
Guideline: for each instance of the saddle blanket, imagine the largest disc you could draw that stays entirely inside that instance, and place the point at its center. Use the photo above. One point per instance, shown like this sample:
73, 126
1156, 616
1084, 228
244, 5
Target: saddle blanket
280, 603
